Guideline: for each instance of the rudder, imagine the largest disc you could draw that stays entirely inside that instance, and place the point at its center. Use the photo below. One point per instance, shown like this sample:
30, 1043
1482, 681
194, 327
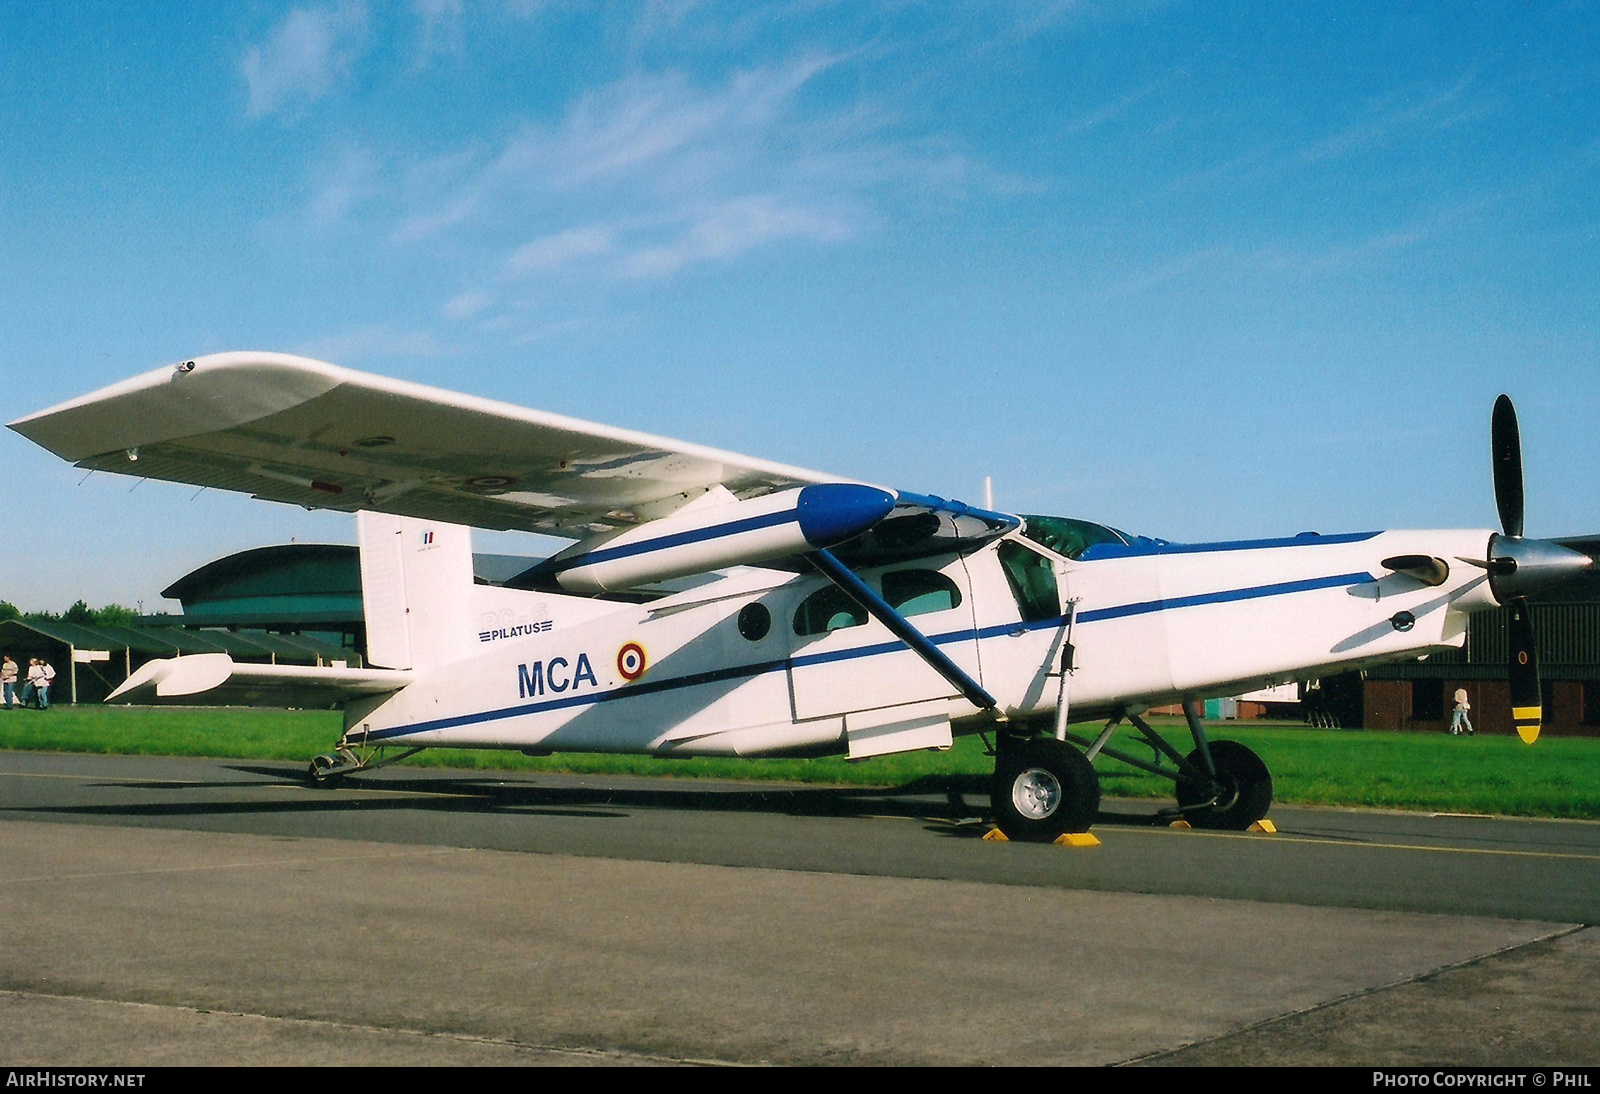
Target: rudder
416, 584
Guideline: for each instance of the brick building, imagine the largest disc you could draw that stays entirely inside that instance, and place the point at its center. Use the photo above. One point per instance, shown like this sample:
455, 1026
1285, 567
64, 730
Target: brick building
1417, 695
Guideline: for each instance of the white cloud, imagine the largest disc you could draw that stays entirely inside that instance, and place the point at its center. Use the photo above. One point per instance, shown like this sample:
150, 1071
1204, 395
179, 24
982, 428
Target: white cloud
372, 345
304, 58
731, 229
1385, 123
344, 184
553, 251
653, 173
440, 30
467, 304
643, 178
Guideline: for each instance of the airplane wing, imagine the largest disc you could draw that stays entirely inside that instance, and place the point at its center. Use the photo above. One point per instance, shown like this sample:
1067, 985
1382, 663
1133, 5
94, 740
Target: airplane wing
215, 679
295, 430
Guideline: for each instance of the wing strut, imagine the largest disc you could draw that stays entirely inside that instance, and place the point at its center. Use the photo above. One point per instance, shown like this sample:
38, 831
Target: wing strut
901, 628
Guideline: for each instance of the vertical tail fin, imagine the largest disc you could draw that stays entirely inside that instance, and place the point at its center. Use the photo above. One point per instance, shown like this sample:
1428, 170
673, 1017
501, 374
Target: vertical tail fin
416, 590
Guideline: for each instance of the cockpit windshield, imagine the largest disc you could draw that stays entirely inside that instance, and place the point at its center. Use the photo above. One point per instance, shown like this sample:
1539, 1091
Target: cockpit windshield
1070, 538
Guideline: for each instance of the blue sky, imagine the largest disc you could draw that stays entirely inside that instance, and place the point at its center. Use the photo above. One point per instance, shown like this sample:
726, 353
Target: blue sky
1196, 270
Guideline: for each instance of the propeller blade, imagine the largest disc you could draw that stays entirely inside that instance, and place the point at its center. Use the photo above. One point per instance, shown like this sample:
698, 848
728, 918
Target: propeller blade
1526, 703
1497, 567
1506, 443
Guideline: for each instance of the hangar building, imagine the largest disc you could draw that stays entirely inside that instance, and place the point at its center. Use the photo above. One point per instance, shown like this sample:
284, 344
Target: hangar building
1417, 694
291, 604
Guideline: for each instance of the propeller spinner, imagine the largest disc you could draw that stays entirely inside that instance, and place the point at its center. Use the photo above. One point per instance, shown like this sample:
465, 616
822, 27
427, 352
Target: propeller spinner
1517, 566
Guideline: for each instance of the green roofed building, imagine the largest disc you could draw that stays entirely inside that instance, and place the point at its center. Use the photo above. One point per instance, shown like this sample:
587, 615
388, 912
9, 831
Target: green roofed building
312, 590
291, 604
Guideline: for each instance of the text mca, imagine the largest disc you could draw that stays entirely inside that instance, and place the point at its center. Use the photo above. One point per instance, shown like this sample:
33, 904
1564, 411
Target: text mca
557, 675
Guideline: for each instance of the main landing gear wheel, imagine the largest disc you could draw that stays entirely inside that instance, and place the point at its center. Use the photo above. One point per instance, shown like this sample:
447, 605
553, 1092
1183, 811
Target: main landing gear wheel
1042, 789
1242, 793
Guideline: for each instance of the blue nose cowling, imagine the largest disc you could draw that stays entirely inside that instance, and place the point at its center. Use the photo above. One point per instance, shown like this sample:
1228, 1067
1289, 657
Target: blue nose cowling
832, 512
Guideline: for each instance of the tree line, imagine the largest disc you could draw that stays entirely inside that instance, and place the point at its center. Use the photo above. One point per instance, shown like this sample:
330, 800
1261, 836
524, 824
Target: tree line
112, 615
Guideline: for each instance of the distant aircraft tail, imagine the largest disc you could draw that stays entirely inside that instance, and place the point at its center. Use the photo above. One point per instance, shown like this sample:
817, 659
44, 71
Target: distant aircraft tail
416, 590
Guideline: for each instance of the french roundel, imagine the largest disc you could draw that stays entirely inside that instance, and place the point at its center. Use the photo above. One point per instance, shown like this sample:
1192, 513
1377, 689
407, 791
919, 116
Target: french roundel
631, 661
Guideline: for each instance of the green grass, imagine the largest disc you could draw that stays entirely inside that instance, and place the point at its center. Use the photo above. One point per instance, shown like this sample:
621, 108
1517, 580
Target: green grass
1557, 777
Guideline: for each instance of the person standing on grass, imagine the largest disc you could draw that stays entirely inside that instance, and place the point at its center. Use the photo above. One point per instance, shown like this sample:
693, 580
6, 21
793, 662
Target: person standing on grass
30, 690
47, 676
8, 683
1459, 721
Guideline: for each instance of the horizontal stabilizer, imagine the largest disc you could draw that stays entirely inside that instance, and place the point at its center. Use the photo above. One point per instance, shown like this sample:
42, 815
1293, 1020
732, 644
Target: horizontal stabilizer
215, 679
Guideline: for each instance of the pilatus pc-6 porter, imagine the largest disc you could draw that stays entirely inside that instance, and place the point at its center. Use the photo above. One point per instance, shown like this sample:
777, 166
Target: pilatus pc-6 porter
823, 615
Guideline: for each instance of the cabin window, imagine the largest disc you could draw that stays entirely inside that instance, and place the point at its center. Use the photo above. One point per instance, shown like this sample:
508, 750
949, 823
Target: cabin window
754, 621
918, 592
827, 609
1033, 582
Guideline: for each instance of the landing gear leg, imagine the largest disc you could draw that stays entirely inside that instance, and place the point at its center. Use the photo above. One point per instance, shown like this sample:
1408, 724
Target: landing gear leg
1233, 789
1042, 789
349, 758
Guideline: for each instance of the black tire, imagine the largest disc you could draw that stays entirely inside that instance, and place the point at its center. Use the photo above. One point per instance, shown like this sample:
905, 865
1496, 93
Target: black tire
1246, 792
319, 772
1043, 788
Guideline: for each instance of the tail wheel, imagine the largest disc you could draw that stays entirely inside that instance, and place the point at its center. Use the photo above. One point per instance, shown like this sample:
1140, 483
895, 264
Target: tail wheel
1043, 788
1241, 795
321, 771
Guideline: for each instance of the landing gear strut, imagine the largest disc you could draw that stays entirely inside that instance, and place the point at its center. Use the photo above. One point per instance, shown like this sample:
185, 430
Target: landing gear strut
347, 759
1220, 785
1042, 789
1236, 796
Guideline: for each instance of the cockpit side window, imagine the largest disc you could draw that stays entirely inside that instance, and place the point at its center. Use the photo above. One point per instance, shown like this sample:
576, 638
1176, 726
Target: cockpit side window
1070, 538
1032, 577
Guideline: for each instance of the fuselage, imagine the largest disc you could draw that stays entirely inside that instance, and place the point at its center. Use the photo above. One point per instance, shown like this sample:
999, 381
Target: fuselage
768, 663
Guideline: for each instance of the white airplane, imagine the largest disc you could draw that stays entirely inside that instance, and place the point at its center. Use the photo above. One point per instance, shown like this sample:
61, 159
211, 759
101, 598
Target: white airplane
831, 616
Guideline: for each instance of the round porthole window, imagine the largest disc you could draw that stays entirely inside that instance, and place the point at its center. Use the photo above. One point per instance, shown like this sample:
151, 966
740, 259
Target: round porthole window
754, 621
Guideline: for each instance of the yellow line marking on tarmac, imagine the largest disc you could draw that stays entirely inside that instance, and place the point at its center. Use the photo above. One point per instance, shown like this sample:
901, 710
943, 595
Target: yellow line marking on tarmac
1277, 840
248, 865
1280, 839
85, 778
190, 784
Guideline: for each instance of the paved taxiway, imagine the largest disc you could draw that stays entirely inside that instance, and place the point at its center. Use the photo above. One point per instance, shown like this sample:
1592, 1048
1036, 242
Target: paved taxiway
174, 911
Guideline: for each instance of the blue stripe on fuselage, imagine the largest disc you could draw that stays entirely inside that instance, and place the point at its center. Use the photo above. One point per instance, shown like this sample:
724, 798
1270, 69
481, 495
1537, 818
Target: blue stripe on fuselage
1092, 615
1100, 551
1280, 589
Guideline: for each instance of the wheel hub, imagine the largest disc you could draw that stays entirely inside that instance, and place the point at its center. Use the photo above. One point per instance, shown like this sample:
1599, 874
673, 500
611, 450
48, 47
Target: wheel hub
1036, 793
1227, 791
